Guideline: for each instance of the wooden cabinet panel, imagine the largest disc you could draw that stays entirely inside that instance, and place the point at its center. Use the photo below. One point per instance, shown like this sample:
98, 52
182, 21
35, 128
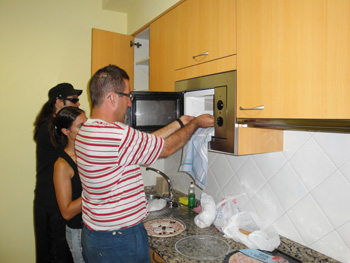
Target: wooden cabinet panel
162, 52
189, 29
257, 140
155, 258
205, 26
112, 48
204, 69
293, 57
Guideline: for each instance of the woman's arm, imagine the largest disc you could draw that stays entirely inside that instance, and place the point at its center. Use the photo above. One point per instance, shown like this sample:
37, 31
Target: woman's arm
63, 187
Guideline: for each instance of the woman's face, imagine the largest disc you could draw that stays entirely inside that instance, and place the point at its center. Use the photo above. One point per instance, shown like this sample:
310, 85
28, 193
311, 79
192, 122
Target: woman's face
73, 130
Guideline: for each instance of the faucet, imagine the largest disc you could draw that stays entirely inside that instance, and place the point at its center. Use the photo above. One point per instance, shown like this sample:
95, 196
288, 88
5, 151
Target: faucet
170, 199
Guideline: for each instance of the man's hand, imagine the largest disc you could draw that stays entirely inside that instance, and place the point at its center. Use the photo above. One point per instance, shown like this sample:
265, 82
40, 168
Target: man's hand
204, 121
178, 139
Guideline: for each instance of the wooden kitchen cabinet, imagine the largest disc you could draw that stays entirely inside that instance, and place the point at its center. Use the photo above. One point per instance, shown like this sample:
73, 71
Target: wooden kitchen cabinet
162, 52
293, 57
205, 26
112, 48
155, 258
187, 30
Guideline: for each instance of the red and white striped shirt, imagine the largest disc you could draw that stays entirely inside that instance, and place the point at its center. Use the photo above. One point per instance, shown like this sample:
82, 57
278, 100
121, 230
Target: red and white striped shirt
108, 158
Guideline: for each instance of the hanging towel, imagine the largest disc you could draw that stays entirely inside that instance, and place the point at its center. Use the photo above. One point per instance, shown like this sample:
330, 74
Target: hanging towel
195, 156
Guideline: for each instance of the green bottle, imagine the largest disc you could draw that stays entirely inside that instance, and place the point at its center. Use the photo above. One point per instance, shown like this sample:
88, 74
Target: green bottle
191, 196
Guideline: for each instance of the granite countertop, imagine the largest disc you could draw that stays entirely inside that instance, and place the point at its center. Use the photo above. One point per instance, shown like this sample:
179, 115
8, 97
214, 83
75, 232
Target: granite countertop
165, 247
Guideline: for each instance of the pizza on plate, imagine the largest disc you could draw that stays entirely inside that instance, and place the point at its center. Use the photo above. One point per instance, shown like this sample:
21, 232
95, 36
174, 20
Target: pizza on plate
164, 227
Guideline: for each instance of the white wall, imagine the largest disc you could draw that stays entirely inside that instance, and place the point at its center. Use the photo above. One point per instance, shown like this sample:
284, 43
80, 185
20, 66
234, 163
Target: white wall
303, 191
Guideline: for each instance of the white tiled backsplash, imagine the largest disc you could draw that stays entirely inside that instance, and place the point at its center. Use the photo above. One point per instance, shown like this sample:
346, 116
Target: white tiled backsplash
303, 191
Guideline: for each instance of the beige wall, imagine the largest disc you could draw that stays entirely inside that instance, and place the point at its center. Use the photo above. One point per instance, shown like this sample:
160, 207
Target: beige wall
145, 11
42, 43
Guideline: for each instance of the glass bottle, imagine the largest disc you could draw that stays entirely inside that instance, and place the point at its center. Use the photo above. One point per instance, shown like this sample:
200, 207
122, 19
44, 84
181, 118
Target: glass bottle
191, 196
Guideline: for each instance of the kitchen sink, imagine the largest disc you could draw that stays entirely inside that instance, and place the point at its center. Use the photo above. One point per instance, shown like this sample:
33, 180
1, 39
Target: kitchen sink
152, 195
177, 212
165, 212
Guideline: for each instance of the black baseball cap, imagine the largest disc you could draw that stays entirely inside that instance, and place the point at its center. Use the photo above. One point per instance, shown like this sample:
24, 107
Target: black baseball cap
63, 90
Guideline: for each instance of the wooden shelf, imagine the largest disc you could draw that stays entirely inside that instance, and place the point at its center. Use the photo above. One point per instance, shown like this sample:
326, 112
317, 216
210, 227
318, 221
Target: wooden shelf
143, 62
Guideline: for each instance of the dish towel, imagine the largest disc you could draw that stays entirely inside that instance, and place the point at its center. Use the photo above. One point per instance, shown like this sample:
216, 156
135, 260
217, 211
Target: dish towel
195, 156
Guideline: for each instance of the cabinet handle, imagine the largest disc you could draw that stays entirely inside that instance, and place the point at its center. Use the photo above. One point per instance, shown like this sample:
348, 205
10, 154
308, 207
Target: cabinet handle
202, 54
261, 107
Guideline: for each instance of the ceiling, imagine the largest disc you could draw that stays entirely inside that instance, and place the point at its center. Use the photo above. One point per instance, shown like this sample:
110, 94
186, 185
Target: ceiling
118, 5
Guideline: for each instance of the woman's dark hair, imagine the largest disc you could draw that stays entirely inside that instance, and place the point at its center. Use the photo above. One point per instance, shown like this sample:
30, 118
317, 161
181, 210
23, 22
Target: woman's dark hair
47, 111
64, 119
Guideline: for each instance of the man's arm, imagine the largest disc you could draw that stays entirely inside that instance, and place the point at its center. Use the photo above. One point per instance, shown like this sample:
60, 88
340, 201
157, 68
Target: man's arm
178, 139
174, 126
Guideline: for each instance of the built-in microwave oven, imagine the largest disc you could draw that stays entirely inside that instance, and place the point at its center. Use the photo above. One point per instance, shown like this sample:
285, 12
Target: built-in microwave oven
213, 94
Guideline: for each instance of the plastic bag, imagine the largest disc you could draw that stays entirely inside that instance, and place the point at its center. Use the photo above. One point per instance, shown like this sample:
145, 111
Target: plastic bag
258, 235
208, 213
224, 210
156, 204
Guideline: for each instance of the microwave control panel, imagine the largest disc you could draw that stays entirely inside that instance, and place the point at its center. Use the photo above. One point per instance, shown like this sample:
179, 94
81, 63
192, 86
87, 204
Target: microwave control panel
220, 112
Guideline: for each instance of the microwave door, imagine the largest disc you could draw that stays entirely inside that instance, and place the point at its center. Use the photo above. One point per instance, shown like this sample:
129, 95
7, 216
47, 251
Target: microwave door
151, 111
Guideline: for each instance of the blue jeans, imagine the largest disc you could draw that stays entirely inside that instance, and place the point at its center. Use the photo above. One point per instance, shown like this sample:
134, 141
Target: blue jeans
129, 245
73, 237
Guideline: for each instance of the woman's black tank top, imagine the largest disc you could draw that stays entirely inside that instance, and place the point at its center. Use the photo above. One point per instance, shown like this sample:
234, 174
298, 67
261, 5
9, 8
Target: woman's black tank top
75, 222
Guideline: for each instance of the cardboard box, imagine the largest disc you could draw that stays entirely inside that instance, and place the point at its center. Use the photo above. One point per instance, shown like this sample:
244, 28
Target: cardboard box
162, 186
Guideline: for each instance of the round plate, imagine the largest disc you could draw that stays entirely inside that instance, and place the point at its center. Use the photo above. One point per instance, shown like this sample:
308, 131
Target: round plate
202, 247
164, 227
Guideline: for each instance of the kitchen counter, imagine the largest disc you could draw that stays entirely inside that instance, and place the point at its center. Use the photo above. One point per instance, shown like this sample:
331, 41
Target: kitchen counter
165, 247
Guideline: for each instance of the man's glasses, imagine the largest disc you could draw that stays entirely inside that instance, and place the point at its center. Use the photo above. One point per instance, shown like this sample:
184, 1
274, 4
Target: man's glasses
129, 95
72, 100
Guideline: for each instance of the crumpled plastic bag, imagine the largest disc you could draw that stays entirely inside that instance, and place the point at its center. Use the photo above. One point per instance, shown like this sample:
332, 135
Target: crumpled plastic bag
156, 204
262, 236
226, 208
208, 213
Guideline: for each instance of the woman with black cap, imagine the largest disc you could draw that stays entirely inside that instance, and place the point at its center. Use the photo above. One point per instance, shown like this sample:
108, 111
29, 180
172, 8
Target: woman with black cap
49, 226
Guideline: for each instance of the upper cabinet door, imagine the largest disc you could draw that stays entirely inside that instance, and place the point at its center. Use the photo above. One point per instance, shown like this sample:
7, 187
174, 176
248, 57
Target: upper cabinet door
162, 52
206, 30
293, 57
112, 48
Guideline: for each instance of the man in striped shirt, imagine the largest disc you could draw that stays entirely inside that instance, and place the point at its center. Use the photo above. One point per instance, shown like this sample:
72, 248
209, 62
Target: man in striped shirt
108, 156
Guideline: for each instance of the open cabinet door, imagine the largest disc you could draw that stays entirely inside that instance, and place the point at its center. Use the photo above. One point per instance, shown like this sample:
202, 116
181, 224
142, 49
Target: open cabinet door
112, 48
